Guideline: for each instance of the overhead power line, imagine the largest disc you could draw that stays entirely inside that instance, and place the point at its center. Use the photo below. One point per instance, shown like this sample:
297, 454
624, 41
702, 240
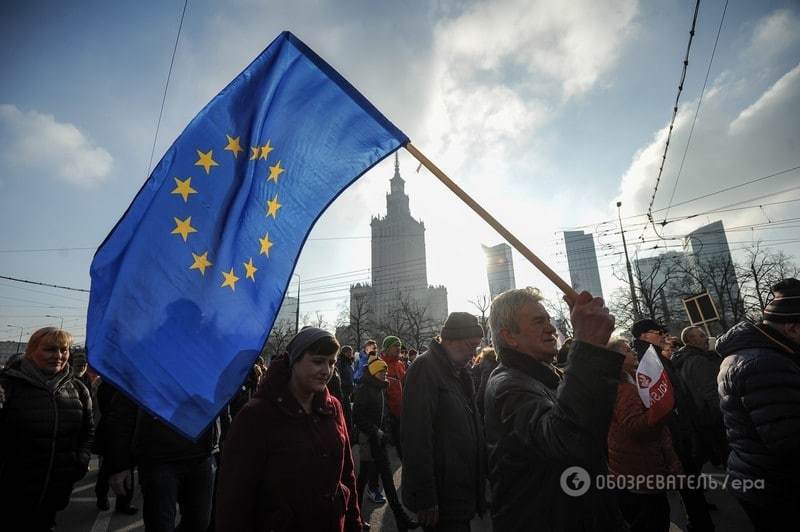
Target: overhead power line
674, 111
696, 112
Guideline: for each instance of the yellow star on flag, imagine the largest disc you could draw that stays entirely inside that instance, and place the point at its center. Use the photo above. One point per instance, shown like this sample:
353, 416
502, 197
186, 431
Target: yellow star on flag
273, 206
265, 149
230, 280
251, 270
254, 151
206, 160
233, 146
183, 228
184, 188
201, 262
265, 244
274, 172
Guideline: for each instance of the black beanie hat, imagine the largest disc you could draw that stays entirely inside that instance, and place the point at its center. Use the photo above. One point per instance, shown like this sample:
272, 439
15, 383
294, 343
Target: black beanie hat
785, 306
460, 325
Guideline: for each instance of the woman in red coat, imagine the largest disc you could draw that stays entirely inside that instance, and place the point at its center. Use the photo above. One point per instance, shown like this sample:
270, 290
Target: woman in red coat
286, 462
638, 448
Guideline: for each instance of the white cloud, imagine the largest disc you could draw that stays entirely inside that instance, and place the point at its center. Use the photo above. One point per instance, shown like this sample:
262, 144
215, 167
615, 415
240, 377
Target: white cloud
735, 139
35, 143
773, 34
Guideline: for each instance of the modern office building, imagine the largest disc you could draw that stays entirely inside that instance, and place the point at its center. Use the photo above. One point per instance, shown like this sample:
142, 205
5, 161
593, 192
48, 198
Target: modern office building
499, 268
584, 273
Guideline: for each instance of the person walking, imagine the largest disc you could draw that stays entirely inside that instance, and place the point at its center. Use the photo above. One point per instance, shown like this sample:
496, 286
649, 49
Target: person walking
47, 430
396, 376
368, 413
286, 464
444, 470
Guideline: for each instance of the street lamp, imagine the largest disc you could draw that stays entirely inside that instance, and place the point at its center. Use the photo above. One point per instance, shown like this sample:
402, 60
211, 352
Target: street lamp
21, 330
60, 317
297, 307
636, 313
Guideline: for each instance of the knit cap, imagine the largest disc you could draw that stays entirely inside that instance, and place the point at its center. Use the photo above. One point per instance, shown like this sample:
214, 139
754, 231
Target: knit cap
461, 325
389, 341
375, 365
785, 305
303, 340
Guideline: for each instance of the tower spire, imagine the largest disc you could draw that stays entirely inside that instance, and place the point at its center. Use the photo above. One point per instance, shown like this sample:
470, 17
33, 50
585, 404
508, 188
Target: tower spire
396, 165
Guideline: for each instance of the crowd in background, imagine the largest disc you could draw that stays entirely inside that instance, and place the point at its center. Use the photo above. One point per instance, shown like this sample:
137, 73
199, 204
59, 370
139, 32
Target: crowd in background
477, 427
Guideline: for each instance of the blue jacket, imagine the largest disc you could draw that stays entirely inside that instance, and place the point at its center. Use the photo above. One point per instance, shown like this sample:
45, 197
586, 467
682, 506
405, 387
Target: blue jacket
361, 365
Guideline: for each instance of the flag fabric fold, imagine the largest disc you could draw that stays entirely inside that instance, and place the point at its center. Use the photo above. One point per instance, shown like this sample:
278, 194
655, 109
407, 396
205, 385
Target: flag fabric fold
186, 287
655, 388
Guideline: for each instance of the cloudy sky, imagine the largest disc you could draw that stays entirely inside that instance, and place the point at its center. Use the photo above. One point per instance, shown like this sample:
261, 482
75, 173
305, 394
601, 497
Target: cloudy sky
548, 112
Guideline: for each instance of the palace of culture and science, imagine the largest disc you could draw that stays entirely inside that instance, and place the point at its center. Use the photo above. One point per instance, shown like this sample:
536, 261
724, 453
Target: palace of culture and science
398, 265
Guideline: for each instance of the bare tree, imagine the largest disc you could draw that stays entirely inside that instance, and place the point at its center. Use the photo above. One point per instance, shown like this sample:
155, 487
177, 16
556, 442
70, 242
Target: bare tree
419, 326
759, 270
282, 331
717, 276
482, 303
360, 318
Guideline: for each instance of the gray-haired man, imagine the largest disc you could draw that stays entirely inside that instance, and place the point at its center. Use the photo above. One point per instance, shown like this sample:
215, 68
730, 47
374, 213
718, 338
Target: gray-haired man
546, 435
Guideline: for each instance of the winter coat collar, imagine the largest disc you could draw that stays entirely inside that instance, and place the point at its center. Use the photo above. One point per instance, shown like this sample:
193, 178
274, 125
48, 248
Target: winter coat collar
540, 371
24, 369
274, 387
746, 335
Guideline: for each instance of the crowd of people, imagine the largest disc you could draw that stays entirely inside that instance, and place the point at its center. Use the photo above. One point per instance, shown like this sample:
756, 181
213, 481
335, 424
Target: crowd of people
477, 428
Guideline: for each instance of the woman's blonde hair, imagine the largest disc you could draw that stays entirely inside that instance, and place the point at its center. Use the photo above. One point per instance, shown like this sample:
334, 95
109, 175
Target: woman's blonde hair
60, 336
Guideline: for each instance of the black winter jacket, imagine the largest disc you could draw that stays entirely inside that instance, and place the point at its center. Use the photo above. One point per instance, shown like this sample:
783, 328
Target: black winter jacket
46, 432
699, 370
444, 455
759, 388
368, 404
114, 430
537, 426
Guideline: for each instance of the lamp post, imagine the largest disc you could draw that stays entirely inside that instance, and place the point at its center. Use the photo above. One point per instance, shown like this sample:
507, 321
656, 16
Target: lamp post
636, 312
21, 330
61, 326
297, 307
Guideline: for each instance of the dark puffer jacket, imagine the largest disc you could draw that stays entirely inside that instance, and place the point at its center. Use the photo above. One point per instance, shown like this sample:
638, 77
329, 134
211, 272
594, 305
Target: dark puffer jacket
444, 456
537, 426
759, 388
46, 432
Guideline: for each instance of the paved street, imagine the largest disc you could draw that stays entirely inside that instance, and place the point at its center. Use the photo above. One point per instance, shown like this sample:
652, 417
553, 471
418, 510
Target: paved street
83, 516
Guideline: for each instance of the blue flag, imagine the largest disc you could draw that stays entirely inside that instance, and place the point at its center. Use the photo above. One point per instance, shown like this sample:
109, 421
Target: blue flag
186, 287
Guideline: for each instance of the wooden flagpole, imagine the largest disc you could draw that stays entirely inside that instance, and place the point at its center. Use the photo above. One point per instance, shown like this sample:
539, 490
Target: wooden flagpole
505, 233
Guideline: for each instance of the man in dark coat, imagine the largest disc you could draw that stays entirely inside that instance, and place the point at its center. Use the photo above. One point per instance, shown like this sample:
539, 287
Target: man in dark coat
547, 435
444, 471
699, 368
173, 470
759, 388
113, 440
46, 433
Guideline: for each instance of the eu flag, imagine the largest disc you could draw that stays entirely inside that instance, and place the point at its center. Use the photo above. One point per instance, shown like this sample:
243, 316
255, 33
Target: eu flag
187, 285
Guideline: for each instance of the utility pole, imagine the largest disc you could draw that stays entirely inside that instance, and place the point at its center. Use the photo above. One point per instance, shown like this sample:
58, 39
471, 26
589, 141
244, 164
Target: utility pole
637, 315
297, 308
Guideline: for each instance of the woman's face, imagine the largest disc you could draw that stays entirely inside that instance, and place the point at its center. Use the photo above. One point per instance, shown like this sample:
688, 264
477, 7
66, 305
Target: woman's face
312, 372
50, 355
